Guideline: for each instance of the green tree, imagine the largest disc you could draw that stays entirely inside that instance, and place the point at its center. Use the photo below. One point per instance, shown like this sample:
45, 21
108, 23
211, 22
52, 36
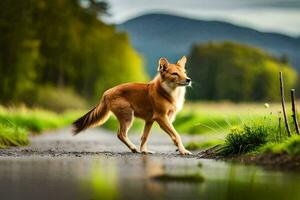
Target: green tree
236, 72
19, 49
59, 43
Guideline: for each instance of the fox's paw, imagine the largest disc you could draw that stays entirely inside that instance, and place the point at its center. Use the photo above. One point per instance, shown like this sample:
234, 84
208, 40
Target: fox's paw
185, 152
147, 152
134, 151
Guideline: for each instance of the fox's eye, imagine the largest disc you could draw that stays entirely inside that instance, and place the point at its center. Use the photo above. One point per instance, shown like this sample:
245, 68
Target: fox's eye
175, 74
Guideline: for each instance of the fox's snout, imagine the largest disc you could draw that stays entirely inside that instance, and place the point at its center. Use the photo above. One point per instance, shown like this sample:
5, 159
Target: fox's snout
188, 80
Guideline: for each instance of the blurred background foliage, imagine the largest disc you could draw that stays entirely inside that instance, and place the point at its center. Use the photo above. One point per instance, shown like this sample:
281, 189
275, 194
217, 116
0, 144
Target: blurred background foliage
236, 72
56, 50
60, 55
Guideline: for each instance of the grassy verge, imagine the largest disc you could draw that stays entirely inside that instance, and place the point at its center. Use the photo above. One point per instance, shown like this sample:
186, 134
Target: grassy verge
259, 137
247, 138
262, 142
197, 122
12, 136
36, 120
199, 118
16, 123
194, 145
289, 146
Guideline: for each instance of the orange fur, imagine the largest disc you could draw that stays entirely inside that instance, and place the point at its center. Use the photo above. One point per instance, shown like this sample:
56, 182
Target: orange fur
159, 101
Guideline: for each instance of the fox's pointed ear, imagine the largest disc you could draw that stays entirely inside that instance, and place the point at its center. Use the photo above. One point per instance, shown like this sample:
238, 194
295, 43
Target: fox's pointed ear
162, 64
182, 61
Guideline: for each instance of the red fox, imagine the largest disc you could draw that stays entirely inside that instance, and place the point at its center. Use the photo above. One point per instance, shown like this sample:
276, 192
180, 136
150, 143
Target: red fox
156, 101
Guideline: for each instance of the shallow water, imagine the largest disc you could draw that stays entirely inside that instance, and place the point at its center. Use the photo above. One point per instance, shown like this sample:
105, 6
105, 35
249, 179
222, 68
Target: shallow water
130, 177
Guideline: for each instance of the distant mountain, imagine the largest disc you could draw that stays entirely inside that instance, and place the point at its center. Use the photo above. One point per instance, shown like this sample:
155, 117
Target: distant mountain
157, 35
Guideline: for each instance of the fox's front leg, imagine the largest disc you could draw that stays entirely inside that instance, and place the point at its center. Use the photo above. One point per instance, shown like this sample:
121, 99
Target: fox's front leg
165, 124
143, 147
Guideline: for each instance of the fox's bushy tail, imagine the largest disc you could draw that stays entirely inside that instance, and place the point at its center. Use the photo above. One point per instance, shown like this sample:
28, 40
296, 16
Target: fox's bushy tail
97, 116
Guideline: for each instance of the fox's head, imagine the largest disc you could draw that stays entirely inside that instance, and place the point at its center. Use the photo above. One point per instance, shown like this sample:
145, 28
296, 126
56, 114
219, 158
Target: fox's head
173, 75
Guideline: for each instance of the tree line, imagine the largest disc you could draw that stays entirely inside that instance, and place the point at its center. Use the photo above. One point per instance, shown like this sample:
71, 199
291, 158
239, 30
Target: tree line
62, 44
231, 71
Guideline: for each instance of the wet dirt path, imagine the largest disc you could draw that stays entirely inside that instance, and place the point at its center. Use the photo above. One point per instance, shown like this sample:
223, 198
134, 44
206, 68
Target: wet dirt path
91, 142
96, 165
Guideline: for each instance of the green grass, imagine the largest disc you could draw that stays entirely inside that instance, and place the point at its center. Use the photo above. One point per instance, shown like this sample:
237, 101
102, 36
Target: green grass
244, 139
113, 124
290, 146
17, 123
11, 135
260, 136
257, 129
195, 145
200, 122
36, 120
219, 119
200, 118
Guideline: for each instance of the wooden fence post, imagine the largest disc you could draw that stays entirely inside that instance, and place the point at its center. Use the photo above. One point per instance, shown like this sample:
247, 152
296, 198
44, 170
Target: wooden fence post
283, 105
295, 118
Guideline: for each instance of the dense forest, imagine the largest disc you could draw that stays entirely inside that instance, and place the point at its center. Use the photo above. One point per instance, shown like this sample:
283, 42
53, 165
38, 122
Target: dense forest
59, 45
236, 72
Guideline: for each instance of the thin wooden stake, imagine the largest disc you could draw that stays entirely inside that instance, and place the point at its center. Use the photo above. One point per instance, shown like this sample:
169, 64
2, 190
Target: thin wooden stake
283, 105
279, 127
294, 111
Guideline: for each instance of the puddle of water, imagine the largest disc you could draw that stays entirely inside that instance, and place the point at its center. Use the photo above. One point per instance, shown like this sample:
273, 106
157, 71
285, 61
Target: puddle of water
130, 177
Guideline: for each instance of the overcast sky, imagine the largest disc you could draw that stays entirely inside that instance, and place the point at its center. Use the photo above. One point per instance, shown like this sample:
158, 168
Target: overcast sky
266, 15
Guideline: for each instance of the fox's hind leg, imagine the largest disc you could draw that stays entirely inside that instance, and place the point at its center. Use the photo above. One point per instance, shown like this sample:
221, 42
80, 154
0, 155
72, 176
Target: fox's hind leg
125, 117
